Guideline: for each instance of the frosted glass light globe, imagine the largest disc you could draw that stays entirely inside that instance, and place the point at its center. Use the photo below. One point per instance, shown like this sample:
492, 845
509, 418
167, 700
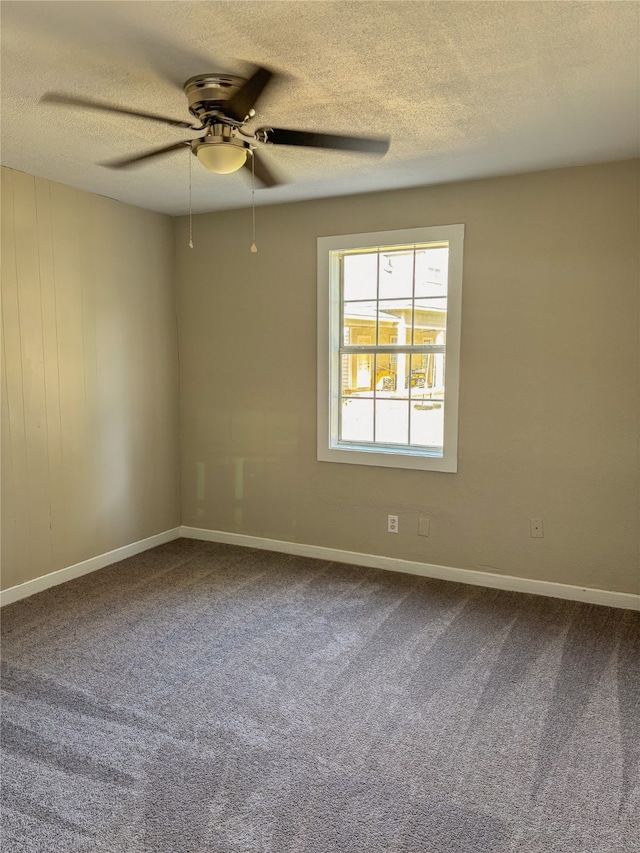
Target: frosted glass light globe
221, 157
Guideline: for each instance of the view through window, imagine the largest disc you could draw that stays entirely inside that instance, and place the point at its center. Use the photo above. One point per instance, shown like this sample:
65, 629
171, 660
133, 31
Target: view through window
394, 322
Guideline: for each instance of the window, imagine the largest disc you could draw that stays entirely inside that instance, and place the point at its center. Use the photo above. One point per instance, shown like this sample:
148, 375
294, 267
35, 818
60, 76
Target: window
389, 307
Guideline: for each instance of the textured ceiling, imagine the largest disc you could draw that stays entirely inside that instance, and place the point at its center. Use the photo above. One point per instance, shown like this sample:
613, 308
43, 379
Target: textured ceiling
464, 89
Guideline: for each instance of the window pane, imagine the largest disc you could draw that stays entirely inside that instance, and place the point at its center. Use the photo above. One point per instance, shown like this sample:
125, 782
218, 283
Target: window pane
430, 321
392, 421
360, 275
427, 376
427, 422
359, 323
393, 318
387, 384
357, 419
429, 337
431, 272
357, 374
427, 399
396, 274
392, 375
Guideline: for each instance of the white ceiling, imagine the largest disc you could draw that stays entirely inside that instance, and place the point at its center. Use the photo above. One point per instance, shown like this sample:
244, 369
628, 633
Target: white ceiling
464, 89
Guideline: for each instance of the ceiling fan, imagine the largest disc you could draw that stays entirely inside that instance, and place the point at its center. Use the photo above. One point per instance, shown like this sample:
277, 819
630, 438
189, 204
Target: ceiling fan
223, 104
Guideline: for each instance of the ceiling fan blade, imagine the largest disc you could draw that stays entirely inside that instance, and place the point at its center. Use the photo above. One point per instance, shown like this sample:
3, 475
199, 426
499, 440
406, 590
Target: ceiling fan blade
282, 136
71, 101
238, 106
131, 161
262, 172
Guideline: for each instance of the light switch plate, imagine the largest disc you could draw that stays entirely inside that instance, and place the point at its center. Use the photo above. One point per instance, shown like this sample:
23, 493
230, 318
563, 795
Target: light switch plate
424, 523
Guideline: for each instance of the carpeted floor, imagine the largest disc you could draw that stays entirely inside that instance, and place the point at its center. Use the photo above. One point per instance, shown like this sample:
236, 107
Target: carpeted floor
203, 697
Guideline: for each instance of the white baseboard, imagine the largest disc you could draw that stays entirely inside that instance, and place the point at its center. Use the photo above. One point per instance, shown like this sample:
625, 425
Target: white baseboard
609, 598
15, 593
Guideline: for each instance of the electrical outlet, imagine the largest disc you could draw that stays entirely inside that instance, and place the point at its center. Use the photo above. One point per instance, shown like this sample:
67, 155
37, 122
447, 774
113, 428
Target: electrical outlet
423, 525
392, 524
537, 531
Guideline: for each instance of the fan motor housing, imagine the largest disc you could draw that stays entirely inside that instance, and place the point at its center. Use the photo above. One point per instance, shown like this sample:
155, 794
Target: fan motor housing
207, 93
219, 135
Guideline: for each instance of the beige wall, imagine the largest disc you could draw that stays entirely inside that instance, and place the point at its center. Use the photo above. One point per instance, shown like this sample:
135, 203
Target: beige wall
89, 373
549, 380
549, 388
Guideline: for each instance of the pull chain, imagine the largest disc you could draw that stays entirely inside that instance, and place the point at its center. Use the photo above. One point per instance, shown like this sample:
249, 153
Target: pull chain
254, 248
190, 204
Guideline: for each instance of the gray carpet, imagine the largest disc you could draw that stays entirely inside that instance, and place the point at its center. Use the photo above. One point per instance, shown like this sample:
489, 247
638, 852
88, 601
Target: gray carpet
204, 697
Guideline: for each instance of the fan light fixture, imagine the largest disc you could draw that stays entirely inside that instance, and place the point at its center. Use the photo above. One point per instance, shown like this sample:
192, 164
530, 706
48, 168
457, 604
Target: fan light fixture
222, 156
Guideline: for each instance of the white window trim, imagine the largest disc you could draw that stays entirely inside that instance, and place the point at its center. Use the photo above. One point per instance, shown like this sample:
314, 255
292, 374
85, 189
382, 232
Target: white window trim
328, 360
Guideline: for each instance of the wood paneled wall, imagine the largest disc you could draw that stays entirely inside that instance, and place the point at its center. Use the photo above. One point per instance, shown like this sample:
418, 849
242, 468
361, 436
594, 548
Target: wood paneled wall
89, 376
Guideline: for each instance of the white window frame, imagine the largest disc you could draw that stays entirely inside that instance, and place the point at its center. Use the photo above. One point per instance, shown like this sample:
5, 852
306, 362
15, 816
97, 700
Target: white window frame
329, 313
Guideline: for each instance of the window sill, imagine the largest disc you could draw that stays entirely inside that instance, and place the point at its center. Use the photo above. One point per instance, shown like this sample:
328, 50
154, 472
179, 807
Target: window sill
392, 458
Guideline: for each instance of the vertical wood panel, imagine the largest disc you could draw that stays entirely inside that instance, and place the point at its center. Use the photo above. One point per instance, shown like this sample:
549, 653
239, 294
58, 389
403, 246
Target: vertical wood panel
71, 366
114, 365
32, 359
130, 273
51, 365
89, 234
17, 529
8, 554
142, 385
163, 355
